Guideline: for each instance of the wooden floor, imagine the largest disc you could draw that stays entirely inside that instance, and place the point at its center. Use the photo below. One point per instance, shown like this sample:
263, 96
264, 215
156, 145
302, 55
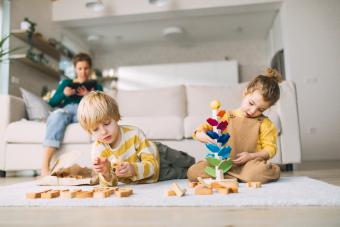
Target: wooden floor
178, 216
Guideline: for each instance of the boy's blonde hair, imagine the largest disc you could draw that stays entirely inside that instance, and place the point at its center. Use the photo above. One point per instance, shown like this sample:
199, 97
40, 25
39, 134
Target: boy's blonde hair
95, 108
267, 85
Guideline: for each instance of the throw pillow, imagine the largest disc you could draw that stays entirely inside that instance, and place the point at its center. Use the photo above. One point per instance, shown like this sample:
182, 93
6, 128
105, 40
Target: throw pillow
37, 109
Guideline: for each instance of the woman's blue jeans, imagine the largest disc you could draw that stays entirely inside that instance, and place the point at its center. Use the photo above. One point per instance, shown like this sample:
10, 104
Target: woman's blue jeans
57, 123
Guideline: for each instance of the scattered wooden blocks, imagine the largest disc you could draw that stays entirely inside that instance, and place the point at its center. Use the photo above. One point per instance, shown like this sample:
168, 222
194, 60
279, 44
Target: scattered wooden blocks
175, 190
123, 192
34, 195
203, 190
179, 191
201, 181
232, 186
192, 184
68, 194
225, 191
84, 194
50, 194
78, 193
103, 192
255, 184
170, 192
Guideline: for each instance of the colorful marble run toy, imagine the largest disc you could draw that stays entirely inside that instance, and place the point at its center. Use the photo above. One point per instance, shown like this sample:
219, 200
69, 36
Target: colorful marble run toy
218, 157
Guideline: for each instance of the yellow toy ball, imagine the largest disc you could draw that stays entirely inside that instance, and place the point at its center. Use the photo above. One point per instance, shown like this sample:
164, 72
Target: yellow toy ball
215, 104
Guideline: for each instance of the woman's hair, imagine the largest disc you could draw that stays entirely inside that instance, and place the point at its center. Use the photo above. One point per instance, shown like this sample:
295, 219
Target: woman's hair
82, 57
95, 108
267, 85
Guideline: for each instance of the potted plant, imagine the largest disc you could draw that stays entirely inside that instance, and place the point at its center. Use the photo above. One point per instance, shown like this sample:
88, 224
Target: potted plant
3, 51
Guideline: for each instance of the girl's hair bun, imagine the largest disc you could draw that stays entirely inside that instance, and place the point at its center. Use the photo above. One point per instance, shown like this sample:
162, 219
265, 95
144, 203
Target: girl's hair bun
273, 73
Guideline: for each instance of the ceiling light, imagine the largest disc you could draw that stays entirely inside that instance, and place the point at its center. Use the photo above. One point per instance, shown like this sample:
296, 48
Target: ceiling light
95, 5
173, 32
158, 2
94, 38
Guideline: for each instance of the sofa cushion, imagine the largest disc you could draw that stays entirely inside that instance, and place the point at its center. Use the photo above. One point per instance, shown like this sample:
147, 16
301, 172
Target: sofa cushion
37, 109
34, 132
191, 123
169, 101
199, 98
161, 127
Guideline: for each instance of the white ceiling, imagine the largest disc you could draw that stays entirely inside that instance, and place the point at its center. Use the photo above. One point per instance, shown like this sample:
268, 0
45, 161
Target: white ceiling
215, 24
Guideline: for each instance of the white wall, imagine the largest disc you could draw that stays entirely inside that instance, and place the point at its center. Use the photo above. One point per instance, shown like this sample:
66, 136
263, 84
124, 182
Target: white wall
40, 12
250, 55
274, 39
311, 38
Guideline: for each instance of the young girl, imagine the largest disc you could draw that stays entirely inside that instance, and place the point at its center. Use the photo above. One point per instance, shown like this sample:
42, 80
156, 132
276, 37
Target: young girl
252, 135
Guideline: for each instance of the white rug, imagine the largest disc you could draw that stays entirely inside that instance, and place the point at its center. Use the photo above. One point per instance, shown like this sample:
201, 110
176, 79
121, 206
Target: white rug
288, 191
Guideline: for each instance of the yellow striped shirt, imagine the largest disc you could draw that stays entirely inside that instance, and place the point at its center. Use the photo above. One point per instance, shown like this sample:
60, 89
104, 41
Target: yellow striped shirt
134, 148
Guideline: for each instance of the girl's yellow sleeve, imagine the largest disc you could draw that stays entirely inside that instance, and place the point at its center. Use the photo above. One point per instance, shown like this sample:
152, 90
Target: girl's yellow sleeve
267, 137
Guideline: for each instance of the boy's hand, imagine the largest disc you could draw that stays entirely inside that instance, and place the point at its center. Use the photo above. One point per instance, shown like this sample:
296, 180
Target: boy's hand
125, 169
102, 165
243, 157
204, 138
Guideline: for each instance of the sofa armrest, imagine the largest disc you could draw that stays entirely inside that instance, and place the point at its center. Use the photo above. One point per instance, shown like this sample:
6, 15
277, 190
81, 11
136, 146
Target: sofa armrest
290, 135
12, 109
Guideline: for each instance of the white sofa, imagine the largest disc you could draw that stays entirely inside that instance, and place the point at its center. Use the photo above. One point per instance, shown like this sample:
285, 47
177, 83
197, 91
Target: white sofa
169, 115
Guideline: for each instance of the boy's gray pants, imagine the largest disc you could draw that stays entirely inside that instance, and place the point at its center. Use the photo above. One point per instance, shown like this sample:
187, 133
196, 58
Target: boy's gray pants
174, 164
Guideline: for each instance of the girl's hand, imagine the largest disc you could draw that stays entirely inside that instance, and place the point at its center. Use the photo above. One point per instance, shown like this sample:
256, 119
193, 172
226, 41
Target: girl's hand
82, 91
243, 157
102, 165
204, 138
125, 169
69, 91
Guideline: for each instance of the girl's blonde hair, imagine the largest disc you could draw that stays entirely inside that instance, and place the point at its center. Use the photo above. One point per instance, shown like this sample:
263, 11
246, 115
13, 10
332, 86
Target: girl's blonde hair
96, 108
267, 85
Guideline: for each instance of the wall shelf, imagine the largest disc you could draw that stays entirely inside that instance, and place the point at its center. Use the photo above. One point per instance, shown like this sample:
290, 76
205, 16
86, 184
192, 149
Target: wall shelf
41, 67
39, 42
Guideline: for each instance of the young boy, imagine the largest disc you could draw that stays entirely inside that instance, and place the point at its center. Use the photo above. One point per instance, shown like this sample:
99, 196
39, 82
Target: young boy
123, 153
252, 135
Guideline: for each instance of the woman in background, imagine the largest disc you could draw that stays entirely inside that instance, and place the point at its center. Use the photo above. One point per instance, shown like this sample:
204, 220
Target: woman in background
67, 97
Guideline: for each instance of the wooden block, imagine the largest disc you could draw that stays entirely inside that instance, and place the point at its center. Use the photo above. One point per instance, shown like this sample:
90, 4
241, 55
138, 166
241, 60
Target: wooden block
179, 191
203, 190
34, 195
112, 190
50, 194
255, 184
233, 186
192, 184
201, 181
170, 192
103, 193
216, 185
124, 192
84, 194
68, 194
224, 191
